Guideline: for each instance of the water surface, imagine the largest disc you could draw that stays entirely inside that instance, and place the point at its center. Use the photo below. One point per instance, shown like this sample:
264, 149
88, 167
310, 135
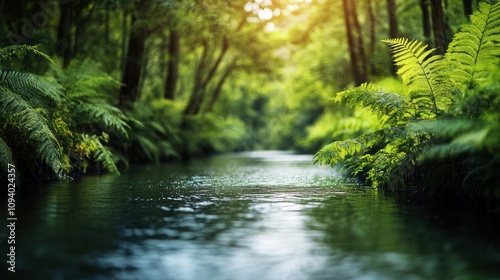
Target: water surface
259, 215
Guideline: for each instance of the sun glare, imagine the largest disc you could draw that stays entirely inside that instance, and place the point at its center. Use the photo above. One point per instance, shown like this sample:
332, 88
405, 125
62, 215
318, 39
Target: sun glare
265, 10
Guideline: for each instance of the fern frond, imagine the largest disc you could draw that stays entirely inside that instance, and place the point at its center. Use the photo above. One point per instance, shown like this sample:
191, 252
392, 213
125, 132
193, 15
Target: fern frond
382, 103
105, 157
20, 51
467, 142
90, 147
5, 155
423, 75
104, 113
443, 128
339, 151
149, 148
476, 47
85, 80
32, 124
30, 87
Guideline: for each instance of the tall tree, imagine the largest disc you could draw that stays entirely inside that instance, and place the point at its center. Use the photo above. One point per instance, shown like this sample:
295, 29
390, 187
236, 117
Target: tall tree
2, 4
219, 41
136, 50
372, 24
218, 88
360, 46
438, 26
63, 41
357, 70
129, 91
426, 20
393, 20
393, 26
467, 7
202, 80
173, 64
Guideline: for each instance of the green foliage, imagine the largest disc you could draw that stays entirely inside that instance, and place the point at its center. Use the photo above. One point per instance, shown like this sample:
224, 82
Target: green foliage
336, 125
88, 120
211, 133
88, 96
388, 106
20, 51
24, 100
155, 134
474, 50
444, 122
64, 127
5, 156
423, 75
89, 148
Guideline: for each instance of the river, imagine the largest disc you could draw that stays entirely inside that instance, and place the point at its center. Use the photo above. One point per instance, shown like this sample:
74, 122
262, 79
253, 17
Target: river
259, 215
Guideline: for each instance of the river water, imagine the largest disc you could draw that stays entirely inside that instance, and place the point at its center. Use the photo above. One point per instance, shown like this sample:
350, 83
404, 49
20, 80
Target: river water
259, 215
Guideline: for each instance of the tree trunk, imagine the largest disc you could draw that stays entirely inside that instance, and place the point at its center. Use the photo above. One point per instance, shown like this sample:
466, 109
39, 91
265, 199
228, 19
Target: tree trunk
63, 43
438, 26
426, 22
218, 87
393, 21
393, 26
2, 4
124, 41
372, 21
106, 21
173, 65
467, 7
356, 71
130, 91
76, 37
197, 96
360, 46
193, 99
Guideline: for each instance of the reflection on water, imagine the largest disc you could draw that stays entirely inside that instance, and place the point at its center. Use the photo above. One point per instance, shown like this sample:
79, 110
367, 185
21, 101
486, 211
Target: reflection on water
260, 215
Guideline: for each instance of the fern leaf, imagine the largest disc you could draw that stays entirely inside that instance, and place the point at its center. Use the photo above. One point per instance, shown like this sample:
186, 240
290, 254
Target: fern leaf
377, 100
422, 73
35, 127
21, 51
339, 151
149, 148
105, 157
467, 142
5, 155
104, 113
476, 47
443, 128
30, 87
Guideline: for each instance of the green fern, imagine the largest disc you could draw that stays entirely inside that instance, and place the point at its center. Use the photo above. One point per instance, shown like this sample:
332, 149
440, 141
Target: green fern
386, 105
149, 148
446, 123
423, 75
91, 150
445, 128
475, 48
32, 88
5, 155
23, 100
340, 151
155, 131
93, 113
29, 122
20, 51
87, 96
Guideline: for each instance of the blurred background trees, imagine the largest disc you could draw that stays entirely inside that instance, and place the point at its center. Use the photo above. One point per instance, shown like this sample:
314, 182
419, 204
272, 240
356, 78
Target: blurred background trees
191, 77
